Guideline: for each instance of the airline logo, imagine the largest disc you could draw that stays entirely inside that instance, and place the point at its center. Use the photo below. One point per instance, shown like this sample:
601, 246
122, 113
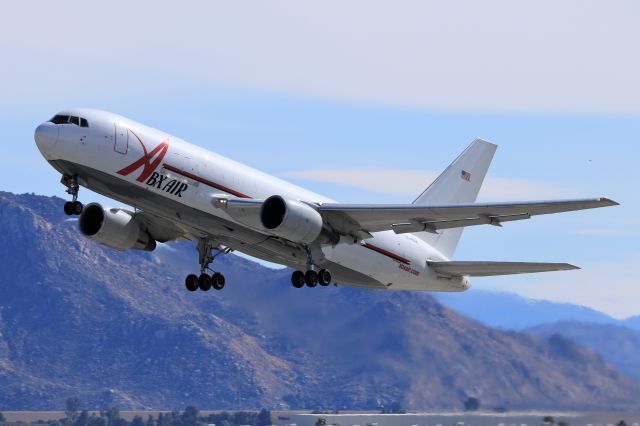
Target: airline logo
166, 184
465, 175
149, 162
145, 161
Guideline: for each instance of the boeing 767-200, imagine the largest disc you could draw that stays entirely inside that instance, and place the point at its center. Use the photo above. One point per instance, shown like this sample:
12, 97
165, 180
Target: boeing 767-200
181, 191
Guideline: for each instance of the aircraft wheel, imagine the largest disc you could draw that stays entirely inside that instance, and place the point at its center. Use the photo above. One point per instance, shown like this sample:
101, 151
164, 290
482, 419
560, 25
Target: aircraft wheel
191, 282
324, 277
68, 208
77, 207
217, 281
297, 279
311, 278
204, 282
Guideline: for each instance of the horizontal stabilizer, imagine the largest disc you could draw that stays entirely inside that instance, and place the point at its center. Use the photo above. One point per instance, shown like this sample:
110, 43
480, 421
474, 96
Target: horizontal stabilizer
487, 269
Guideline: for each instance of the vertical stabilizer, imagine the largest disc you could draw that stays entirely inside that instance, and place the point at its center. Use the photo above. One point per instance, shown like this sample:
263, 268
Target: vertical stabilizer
458, 184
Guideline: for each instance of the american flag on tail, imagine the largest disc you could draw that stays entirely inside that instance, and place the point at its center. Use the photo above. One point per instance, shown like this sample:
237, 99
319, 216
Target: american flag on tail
465, 175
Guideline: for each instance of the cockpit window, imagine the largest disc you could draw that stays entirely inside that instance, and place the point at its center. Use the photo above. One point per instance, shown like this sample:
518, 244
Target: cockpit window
66, 119
60, 119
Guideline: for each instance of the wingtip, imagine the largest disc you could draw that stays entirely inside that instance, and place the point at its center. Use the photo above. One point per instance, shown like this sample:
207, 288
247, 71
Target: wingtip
608, 201
571, 267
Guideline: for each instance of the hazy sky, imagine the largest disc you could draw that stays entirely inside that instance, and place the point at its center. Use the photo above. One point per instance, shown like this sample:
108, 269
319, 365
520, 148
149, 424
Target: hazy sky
367, 101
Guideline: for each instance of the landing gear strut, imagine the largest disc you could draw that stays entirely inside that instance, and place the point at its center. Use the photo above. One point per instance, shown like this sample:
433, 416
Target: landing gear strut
205, 281
73, 207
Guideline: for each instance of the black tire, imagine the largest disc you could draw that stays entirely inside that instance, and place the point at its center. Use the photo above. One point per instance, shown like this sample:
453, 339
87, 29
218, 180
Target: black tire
204, 282
191, 282
297, 279
68, 208
311, 278
77, 207
324, 277
217, 281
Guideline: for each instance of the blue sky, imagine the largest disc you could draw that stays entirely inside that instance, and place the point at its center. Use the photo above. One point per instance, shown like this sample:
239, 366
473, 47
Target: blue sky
298, 94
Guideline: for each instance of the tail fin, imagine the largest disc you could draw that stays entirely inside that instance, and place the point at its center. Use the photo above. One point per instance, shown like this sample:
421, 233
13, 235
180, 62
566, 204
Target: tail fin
458, 184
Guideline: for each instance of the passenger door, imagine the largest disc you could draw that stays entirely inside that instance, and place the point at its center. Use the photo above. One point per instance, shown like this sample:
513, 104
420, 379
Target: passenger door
121, 144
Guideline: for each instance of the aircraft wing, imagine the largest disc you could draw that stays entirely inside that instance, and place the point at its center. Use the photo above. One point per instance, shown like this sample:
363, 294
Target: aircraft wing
358, 219
487, 269
161, 229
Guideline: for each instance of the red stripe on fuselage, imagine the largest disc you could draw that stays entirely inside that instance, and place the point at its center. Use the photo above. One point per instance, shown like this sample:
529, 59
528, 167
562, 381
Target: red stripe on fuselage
386, 253
205, 181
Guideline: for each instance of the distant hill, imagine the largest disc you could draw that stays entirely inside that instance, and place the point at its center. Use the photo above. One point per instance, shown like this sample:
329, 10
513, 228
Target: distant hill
618, 345
617, 341
78, 319
513, 312
633, 322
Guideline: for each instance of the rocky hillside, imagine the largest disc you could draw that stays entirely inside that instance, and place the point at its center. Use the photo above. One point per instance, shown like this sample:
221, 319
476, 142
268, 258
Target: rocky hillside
77, 319
618, 345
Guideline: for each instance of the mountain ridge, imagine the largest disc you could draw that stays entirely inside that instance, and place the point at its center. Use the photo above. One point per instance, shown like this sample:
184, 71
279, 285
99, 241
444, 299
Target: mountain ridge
514, 312
113, 328
617, 344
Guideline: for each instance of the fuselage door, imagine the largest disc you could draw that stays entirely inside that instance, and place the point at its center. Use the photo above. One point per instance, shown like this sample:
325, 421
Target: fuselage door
121, 139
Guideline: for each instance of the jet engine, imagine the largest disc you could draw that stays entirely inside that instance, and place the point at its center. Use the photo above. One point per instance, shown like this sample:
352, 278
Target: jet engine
115, 228
292, 220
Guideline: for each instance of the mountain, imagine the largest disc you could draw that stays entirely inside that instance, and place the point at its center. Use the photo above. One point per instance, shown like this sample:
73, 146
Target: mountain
513, 312
112, 328
618, 345
633, 322
617, 341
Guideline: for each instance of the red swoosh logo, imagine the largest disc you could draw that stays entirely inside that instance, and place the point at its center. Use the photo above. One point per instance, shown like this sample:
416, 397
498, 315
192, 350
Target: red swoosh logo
145, 161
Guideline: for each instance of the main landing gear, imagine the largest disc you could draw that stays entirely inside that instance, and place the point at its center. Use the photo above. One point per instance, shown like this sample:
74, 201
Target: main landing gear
205, 281
73, 207
311, 278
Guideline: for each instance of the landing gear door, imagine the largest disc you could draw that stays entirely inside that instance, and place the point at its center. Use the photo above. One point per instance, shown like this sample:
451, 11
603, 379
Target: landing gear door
121, 139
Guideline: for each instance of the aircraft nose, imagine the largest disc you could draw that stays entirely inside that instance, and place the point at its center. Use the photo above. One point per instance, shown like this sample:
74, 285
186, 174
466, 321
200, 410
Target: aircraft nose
46, 136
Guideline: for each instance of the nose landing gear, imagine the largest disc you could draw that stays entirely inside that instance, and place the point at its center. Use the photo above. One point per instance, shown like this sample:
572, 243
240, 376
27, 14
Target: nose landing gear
205, 281
73, 207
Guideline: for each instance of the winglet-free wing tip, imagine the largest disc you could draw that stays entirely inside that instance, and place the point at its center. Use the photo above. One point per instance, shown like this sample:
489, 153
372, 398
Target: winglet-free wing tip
608, 201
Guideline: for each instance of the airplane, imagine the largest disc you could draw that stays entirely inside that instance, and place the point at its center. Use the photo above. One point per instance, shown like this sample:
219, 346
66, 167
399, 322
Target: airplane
180, 191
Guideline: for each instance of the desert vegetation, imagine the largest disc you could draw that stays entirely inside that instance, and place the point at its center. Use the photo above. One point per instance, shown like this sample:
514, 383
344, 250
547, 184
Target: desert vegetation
190, 416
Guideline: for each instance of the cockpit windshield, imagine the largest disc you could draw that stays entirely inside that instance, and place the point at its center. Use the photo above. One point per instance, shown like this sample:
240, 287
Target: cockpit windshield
60, 119
69, 119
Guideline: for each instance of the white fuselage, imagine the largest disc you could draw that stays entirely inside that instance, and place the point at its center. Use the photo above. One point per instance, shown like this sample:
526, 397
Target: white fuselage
180, 182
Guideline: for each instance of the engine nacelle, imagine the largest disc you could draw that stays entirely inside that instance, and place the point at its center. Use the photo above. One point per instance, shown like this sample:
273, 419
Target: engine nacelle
292, 220
115, 228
